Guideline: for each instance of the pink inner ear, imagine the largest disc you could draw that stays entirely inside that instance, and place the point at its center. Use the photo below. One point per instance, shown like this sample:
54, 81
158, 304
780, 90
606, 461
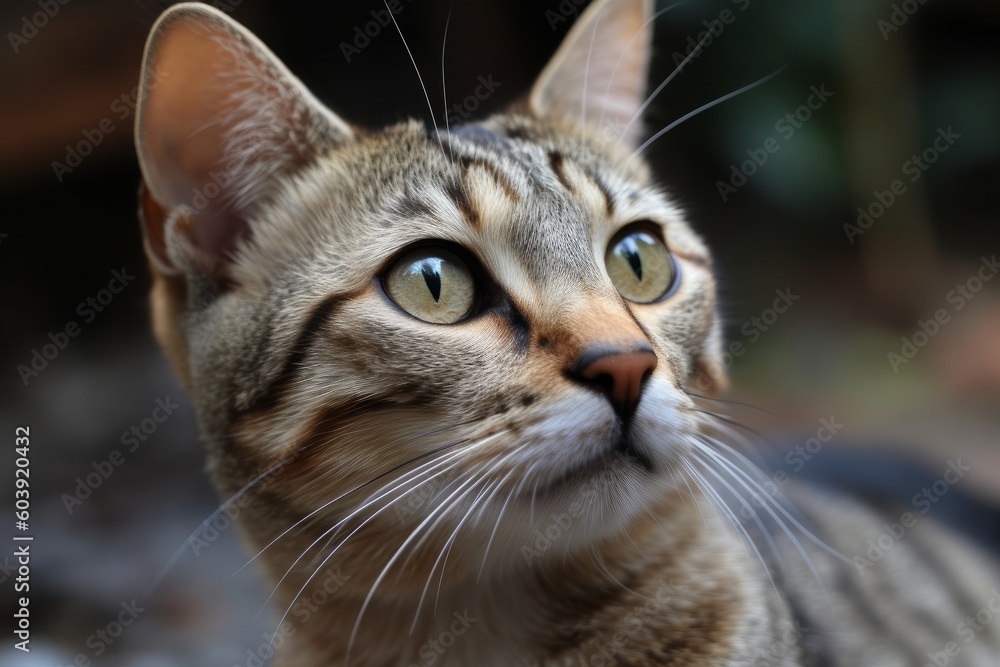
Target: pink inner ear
189, 113
219, 118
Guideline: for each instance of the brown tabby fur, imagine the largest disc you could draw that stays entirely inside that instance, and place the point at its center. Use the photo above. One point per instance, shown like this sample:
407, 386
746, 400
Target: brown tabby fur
552, 546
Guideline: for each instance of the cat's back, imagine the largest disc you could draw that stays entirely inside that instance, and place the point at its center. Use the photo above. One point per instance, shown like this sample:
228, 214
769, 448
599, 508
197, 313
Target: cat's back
903, 583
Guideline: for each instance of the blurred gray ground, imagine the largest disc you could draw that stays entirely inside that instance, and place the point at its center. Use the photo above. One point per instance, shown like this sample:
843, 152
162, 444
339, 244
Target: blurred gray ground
86, 564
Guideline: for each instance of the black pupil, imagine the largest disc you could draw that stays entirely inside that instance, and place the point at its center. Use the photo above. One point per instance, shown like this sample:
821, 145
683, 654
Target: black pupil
629, 249
432, 278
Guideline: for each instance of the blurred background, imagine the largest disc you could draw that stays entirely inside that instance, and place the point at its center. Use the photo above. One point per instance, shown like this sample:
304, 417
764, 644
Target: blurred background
872, 226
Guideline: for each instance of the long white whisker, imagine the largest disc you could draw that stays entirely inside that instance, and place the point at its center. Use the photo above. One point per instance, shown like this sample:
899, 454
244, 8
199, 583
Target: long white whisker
350, 516
767, 507
705, 107
385, 570
204, 524
496, 525
614, 72
446, 549
737, 471
677, 70
444, 87
344, 495
586, 69
444, 459
740, 529
427, 97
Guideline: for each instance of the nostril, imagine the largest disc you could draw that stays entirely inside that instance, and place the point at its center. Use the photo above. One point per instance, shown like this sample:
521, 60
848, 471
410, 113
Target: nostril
603, 381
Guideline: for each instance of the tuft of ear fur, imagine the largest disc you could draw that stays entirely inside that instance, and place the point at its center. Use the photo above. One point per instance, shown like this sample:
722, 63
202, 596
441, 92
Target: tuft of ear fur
598, 76
219, 119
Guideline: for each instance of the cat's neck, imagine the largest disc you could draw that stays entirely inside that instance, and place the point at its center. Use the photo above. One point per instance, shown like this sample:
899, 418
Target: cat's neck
680, 586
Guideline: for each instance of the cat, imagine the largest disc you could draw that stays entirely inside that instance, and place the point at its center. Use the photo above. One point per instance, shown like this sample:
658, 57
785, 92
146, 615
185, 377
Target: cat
451, 371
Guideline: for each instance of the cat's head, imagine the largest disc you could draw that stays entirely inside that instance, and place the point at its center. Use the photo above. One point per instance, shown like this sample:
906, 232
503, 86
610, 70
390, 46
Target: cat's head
486, 324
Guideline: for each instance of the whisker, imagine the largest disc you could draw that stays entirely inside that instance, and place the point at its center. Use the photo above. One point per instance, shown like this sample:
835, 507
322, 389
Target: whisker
705, 107
586, 69
204, 524
446, 549
402, 482
740, 403
608, 574
444, 87
677, 70
344, 495
723, 424
740, 474
740, 529
451, 540
322, 564
489, 543
394, 558
427, 97
614, 72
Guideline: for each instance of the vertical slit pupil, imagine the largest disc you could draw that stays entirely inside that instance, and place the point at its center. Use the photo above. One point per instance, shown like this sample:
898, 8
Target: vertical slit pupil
433, 280
630, 250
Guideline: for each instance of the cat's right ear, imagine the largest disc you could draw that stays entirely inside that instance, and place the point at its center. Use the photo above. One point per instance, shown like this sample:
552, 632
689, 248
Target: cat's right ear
219, 121
598, 75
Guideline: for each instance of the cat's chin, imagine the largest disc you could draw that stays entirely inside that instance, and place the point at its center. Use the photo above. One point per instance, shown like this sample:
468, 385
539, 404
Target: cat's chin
615, 476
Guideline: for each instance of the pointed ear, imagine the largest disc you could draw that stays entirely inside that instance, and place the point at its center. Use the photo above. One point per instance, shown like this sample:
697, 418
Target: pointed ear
598, 75
219, 120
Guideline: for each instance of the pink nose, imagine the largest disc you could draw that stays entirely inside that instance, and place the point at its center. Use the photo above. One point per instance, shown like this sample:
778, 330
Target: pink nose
618, 373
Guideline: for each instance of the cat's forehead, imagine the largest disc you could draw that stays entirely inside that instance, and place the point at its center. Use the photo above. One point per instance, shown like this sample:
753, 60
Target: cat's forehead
538, 200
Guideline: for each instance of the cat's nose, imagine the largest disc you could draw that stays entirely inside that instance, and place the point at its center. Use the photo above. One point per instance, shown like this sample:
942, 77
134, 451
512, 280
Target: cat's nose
620, 372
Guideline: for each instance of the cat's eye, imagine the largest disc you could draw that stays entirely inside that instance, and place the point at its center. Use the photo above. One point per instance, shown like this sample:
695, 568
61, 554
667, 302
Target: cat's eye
432, 284
639, 264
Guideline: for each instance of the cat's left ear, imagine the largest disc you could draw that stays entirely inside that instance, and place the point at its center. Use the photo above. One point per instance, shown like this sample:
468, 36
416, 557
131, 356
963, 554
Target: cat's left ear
598, 75
220, 124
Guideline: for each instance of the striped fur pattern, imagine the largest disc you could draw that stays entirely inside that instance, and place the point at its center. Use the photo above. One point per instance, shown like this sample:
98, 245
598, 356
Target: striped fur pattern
477, 502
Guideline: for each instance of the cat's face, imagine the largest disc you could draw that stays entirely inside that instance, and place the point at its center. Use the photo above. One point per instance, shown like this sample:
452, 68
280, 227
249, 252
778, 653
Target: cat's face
485, 328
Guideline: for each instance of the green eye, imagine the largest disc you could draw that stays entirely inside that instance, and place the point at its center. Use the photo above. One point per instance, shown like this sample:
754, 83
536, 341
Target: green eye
639, 265
432, 284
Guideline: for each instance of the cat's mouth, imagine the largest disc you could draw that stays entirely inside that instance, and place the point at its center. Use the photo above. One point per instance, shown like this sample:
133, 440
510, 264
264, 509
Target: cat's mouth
626, 446
624, 455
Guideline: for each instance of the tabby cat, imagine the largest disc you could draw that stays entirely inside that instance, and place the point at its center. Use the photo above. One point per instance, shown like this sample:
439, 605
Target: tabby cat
451, 371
